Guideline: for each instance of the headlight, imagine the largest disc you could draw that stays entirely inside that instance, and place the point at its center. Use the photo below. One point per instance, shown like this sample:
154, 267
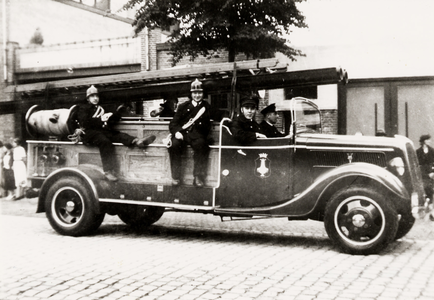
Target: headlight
397, 164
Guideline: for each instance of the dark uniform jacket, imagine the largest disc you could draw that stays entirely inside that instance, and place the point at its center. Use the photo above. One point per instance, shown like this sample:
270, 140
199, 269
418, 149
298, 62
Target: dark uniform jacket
426, 161
167, 110
86, 120
270, 130
187, 111
244, 130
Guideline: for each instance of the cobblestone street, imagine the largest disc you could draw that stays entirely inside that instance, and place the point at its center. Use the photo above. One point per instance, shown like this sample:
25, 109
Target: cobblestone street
194, 256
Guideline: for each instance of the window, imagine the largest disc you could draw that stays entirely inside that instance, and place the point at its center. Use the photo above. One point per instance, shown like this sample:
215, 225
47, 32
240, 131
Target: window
310, 92
100, 4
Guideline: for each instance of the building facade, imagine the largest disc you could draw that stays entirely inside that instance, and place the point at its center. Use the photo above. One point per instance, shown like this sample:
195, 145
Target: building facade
56, 23
77, 36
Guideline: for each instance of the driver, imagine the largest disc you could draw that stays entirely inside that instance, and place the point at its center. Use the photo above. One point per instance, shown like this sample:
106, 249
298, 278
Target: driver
270, 119
244, 127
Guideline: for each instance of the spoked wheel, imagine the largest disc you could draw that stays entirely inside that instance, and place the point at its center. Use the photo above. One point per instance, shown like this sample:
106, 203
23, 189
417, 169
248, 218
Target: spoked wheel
135, 215
360, 221
69, 208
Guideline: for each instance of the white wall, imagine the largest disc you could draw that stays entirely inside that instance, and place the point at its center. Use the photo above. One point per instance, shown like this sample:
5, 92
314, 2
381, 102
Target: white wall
60, 23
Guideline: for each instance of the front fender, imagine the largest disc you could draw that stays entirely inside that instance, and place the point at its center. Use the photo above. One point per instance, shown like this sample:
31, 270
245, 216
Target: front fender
373, 172
315, 197
89, 175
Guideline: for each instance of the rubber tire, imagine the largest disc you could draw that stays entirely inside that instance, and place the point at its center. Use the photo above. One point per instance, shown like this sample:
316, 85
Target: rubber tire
139, 216
405, 224
380, 229
83, 219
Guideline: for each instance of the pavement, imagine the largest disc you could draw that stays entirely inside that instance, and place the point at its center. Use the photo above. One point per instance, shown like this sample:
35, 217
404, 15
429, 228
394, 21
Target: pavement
196, 256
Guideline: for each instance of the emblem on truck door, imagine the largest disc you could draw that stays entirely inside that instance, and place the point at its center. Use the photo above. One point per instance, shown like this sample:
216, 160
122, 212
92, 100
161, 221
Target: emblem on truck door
262, 165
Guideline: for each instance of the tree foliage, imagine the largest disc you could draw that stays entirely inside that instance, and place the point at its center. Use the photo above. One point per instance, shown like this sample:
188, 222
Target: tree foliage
252, 27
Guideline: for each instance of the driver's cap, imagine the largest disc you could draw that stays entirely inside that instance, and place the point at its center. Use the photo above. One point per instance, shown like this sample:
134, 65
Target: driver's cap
250, 99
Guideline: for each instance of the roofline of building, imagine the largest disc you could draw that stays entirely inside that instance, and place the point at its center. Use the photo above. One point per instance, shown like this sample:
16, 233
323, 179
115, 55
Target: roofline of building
376, 80
96, 11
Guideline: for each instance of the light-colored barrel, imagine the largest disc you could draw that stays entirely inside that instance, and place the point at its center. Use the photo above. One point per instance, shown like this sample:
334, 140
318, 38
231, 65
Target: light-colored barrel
48, 122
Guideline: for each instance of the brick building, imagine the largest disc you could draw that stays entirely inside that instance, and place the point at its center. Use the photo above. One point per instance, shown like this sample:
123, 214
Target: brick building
59, 22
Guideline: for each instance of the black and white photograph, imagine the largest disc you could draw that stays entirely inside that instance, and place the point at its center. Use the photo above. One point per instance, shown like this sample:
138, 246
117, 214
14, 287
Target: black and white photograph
217, 150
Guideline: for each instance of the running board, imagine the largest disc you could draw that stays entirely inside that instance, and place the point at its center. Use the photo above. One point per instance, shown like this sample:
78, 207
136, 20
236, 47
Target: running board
185, 207
239, 218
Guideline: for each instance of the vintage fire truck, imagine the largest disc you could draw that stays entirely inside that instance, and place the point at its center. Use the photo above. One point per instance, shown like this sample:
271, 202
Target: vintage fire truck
363, 188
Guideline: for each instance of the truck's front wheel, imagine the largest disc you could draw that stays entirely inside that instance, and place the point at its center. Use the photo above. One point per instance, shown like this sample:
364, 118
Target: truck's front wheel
69, 208
406, 222
360, 221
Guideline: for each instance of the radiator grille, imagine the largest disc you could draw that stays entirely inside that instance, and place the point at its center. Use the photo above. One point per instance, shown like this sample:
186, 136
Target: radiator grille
334, 159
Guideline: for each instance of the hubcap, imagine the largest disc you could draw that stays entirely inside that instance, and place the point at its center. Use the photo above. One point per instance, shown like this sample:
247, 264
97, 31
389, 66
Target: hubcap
70, 206
359, 220
67, 206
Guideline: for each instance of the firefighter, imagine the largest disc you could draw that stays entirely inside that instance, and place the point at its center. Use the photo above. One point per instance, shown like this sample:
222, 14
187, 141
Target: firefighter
167, 108
96, 125
244, 128
270, 119
191, 125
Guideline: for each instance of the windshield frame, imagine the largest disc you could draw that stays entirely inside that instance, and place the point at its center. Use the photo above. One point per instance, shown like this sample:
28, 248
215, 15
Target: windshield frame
298, 126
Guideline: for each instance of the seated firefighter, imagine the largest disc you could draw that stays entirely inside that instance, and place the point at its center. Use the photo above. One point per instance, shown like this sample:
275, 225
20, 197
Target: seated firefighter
191, 125
96, 125
244, 128
126, 110
270, 119
167, 108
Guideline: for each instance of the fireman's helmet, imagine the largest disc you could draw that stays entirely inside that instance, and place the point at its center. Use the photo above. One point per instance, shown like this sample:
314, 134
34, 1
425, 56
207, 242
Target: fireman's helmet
196, 86
91, 91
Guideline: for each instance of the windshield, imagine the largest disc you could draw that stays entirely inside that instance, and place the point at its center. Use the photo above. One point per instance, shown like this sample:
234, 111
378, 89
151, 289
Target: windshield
304, 112
307, 117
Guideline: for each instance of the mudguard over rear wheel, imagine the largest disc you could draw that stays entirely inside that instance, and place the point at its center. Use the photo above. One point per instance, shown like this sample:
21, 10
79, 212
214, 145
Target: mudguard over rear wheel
135, 215
360, 221
70, 208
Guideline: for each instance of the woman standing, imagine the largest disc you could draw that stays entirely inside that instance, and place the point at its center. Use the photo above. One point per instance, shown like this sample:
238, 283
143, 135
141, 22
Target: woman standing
19, 166
8, 174
2, 154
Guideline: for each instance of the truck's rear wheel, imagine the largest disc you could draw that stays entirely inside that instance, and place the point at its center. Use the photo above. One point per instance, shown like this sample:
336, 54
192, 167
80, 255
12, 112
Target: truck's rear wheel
69, 208
360, 221
135, 215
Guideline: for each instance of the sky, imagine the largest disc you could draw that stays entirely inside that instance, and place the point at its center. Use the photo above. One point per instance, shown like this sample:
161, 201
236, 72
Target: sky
369, 21
394, 36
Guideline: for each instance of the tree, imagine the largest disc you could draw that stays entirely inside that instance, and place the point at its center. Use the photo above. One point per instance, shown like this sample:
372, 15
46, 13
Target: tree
252, 27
